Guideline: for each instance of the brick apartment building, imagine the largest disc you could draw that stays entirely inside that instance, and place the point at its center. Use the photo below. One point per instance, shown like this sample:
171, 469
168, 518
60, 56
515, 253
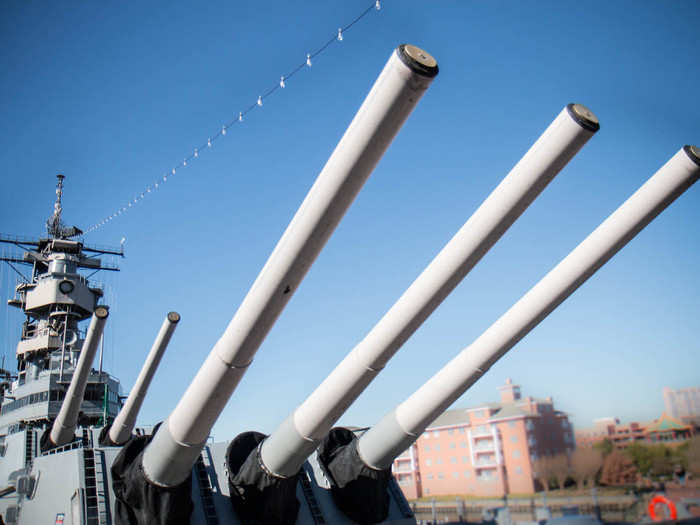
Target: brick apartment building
488, 450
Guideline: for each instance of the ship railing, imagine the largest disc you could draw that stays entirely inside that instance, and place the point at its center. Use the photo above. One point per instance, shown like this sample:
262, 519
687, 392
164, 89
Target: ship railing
97, 248
21, 239
78, 443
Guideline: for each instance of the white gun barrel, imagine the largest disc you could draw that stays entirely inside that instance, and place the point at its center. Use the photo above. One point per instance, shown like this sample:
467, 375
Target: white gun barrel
409, 71
121, 428
395, 432
63, 429
284, 452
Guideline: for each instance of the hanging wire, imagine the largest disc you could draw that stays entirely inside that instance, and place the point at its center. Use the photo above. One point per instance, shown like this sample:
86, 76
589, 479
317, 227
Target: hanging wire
337, 37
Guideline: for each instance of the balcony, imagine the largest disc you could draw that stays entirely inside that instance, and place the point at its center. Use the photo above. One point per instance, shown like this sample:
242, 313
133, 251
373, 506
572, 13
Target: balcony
486, 463
484, 445
481, 431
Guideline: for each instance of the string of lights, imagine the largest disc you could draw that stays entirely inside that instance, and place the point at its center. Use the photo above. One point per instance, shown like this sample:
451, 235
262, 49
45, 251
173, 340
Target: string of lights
205, 146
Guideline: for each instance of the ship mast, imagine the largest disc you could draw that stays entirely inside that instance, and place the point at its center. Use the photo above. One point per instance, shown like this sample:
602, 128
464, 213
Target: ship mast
55, 300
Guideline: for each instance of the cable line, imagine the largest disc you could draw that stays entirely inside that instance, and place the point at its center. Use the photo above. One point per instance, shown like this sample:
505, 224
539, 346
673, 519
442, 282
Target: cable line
307, 63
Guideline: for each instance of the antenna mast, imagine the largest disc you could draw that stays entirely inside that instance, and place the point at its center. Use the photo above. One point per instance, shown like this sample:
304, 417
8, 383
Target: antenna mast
53, 225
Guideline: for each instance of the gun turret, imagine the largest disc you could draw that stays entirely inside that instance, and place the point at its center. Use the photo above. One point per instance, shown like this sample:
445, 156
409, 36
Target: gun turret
379, 446
63, 429
121, 428
168, 459
284, 452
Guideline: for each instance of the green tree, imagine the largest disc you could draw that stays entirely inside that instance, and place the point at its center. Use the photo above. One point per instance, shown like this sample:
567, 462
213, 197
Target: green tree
605, 446
662, 461
654, 460
641, 457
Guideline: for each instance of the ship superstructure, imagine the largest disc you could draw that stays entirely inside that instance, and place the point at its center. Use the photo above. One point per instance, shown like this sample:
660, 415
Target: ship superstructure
55, 298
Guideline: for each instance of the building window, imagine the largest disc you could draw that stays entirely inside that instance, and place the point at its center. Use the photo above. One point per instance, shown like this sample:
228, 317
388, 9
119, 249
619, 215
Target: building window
429, 476
441, 475
436, 433
462, 430
437, 448
516, 454
451, 431
428, 462
463, 444
511, 424
455, 475
465, 459
518, 470
426, 435
467, 473
514, 439
481, 429
427, 448
452, 445
479, 413
439, 461
453, 459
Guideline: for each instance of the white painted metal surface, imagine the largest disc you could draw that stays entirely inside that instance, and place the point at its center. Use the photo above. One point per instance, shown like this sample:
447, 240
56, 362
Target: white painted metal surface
401, 427
124, 423
63, 428
311, 421
169, 458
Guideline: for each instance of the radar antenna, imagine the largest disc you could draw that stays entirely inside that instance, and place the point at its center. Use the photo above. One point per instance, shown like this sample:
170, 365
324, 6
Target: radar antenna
54, 227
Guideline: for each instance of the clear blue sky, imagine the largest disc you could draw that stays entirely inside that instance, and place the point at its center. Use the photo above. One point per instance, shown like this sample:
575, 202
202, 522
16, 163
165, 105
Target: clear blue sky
114, 96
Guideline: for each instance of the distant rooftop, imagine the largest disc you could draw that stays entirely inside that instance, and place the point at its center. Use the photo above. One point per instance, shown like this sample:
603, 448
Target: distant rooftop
513, 408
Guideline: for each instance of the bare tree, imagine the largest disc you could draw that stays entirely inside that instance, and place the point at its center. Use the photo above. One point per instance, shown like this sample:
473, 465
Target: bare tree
543, 471
548, 468
585, 464
618, 469
560, 469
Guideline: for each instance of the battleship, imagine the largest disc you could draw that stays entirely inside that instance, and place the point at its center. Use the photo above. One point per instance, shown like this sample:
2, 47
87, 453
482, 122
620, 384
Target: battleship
70, 451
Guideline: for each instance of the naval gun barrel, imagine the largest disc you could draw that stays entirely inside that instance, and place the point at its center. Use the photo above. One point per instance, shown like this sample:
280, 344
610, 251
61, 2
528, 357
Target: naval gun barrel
409, 71
395, 432
63, 429
121, 428
285, 451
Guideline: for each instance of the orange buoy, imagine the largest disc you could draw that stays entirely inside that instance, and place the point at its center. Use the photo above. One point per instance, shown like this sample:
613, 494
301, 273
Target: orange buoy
662, 500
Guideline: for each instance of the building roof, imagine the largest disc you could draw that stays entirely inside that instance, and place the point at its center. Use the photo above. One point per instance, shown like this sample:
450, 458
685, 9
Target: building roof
500, 410
460, 416
667, 423
456, 416
509, 410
